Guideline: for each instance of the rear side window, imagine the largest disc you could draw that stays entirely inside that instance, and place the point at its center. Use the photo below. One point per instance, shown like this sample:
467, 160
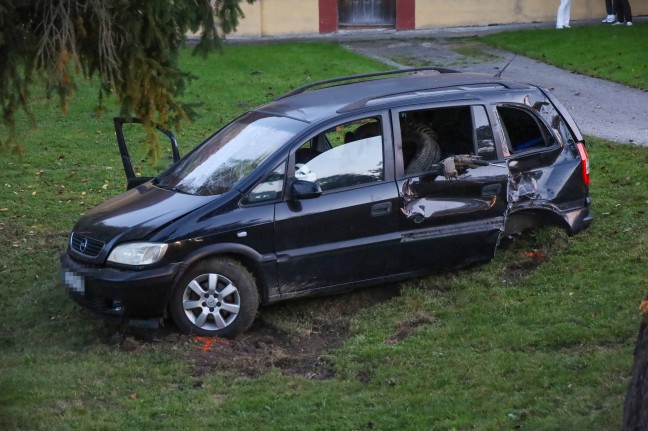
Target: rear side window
552, 118
523, 130
429, 135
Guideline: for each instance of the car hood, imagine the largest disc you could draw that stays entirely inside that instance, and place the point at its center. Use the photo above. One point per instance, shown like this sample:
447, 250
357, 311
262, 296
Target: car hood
137, 213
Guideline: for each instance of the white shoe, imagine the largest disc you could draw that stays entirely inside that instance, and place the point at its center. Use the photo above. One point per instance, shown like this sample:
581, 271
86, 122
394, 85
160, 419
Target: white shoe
609, 19
618, 23
629, 23
559, 27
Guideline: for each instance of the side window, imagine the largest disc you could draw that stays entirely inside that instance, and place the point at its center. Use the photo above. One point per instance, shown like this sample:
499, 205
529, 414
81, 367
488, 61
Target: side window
522, 130
270, 189
428, 135
484, 134
543, 106
347, 155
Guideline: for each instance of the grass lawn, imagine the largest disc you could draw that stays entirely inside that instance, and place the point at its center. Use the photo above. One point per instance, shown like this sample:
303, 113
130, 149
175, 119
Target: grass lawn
540, 338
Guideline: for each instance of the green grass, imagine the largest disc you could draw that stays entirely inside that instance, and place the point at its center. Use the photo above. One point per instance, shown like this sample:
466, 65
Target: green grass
506, 345
616, 53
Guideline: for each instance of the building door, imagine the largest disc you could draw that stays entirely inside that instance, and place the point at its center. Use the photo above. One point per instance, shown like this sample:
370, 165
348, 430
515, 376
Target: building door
361, 13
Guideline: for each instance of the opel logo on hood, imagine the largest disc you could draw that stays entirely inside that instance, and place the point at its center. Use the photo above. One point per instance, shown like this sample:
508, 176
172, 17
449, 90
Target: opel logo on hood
83, 244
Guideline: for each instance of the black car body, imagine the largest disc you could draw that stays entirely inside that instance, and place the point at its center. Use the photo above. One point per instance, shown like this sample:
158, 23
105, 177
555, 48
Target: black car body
332, 186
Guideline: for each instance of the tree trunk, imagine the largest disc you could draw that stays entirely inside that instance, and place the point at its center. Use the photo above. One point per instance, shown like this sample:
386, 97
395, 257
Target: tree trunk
635, 414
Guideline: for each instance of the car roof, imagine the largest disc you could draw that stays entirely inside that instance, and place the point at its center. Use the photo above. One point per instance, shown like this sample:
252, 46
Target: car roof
311, 105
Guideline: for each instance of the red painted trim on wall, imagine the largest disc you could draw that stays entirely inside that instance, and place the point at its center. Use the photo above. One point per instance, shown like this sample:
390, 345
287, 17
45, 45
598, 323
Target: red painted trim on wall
328, 16
405, 13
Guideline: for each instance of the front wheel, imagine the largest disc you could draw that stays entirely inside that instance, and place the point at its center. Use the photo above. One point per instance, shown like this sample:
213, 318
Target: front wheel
216, 298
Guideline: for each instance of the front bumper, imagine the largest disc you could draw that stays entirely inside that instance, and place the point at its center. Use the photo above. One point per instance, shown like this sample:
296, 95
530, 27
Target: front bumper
121, 295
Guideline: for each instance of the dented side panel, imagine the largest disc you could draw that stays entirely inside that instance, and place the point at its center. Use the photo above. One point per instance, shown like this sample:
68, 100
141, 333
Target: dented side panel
450, 222
551, 188
546, 184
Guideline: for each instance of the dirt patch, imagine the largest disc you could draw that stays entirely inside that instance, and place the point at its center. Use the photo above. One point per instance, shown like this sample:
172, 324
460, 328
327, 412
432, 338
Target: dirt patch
532, 250
524, 265
264, 346
407, 328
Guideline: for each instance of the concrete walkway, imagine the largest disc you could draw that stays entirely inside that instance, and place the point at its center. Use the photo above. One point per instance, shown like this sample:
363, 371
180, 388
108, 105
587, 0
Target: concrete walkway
601, 108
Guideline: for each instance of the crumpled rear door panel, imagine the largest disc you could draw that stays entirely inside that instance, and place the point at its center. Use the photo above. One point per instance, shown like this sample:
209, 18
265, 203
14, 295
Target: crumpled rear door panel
452, 222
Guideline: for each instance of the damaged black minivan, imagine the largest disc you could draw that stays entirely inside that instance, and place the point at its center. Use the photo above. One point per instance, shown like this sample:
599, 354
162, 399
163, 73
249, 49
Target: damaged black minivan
342, 183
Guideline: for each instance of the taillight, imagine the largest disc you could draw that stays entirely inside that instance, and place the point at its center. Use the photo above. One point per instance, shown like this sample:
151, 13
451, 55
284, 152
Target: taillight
585, 165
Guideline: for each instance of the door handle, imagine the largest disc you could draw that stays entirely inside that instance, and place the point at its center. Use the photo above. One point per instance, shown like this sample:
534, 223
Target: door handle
381, 209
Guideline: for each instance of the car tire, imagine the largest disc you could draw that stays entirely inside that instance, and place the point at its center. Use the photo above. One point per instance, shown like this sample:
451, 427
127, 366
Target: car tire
217, 297
427, 152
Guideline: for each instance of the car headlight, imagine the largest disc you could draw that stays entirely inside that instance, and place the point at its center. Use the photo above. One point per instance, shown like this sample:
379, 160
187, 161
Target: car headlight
138, 253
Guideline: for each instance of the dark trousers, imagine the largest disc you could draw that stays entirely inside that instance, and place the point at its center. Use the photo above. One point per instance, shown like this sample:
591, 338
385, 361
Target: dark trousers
608, 7
623, 11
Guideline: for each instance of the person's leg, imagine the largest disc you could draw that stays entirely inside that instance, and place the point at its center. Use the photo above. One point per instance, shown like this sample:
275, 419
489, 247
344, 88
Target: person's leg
618, 8
608, 7
627, 11
562, 18
611, 14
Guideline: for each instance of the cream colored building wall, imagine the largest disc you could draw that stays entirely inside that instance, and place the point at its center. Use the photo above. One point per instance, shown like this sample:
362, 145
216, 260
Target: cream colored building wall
451, 13
286, 17
279, 17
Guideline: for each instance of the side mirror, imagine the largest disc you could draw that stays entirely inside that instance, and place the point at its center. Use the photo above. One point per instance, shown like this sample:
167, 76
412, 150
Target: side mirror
301, 189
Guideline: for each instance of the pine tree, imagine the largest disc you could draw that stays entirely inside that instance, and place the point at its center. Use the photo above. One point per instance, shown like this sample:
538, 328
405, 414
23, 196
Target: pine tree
132, 46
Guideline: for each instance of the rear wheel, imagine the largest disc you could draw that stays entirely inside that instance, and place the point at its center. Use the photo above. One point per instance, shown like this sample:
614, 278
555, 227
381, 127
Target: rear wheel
216, 298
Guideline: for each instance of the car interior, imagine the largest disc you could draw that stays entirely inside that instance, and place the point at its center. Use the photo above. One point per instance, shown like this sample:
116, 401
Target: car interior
522, 130
431, 135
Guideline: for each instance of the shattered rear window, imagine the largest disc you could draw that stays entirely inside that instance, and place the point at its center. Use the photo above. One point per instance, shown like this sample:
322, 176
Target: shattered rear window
552, 117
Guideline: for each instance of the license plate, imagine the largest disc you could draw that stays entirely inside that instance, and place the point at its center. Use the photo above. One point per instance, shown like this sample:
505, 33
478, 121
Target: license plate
75, 282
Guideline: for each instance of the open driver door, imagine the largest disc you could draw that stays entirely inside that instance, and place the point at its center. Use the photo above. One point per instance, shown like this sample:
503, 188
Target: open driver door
143, 170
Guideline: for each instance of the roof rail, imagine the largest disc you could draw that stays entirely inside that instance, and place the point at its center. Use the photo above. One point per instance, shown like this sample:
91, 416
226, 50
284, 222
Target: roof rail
362, 76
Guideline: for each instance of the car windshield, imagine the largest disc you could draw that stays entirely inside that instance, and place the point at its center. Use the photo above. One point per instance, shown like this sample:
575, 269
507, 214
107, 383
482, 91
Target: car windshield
230, 155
